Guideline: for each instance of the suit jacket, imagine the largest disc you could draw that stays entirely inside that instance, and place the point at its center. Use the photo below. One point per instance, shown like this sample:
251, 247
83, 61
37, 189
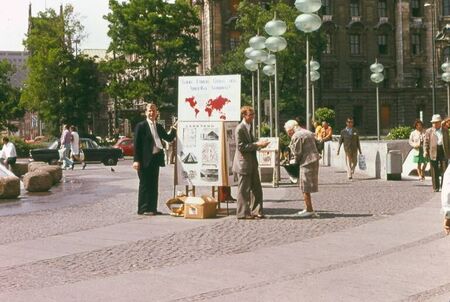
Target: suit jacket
245, 157
303, 147
351, 142
144, 142
430, 143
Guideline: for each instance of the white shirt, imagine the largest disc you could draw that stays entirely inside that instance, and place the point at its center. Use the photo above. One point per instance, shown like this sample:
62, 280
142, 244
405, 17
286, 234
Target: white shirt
157, 147
75, 143
440, 139
248, 126
8, 150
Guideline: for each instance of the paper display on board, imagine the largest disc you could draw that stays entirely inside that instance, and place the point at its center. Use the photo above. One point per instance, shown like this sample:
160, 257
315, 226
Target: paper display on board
267, 155
199, 154
209, 98
230, 131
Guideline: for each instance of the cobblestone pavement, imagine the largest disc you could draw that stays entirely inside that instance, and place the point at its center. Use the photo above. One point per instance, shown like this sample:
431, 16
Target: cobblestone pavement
340, 203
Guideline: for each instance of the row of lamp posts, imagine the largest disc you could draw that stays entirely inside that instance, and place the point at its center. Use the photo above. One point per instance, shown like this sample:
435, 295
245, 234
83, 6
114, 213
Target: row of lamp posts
256, 55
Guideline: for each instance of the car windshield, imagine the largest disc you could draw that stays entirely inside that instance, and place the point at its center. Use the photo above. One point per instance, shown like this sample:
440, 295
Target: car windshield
54, 145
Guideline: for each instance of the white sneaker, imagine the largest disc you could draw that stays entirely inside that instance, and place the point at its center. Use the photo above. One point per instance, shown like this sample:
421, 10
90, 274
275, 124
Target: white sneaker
305, 214
293, 179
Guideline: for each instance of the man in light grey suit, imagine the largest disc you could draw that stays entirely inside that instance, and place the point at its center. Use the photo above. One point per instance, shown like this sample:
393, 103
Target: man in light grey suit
245, 164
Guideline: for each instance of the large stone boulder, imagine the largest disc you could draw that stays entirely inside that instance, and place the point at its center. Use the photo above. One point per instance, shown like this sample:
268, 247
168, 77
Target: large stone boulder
9, 187
33, 166
37, 181
54, 171
19, 169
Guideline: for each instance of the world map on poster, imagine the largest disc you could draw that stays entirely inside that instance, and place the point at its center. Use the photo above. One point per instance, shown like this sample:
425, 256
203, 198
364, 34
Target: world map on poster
213, 105
209, 98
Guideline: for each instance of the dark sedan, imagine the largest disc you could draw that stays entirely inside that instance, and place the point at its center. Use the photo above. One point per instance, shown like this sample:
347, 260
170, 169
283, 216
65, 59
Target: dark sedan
93, 153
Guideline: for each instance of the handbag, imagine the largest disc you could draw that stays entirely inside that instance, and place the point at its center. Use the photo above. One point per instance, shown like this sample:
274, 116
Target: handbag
362, 162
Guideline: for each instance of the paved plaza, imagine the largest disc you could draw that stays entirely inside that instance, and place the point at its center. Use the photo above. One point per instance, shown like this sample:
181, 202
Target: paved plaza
374, 241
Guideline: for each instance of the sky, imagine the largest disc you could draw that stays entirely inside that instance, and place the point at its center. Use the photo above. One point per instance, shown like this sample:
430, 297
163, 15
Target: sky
14, 21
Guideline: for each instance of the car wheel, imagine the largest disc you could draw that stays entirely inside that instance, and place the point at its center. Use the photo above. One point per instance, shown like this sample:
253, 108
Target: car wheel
110, 162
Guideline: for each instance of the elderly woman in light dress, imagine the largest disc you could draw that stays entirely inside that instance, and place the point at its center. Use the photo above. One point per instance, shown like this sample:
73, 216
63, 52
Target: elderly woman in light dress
416, 139
303, 147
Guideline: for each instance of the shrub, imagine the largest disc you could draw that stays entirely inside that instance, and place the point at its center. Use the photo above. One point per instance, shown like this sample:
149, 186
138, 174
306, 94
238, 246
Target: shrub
325, 114
401, 132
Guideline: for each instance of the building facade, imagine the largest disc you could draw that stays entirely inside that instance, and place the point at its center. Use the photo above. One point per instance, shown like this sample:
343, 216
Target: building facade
398, 33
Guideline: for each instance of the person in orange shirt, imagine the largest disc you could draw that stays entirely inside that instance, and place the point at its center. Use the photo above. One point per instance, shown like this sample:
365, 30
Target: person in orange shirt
325, 134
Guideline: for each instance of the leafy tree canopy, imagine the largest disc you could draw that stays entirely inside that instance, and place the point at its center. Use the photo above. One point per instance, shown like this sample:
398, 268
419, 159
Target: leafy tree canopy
153, 43
9, 97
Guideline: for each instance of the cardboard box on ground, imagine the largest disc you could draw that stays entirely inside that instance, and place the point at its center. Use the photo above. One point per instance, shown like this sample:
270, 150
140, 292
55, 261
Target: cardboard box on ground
193, 207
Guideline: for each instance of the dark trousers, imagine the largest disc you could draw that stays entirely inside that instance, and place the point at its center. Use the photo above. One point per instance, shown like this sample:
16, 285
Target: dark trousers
250, 194
437, 168
148, 188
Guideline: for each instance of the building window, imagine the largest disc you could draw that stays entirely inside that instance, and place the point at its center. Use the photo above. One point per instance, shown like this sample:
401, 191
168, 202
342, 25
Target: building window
446, 54
382, 8
354, 8
418, 78
358, 115
382, 45
328, 78
415, 8
355, 44
357, 77
328, 46
326, 7
234, 5
445, 7
415, 41
386, 83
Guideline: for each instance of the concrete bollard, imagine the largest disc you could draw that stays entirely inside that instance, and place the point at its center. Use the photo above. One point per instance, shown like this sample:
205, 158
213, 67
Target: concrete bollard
9, 187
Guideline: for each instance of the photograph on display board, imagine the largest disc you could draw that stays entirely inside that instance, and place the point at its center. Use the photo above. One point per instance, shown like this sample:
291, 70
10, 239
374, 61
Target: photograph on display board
266, 158
209, 98
199, 154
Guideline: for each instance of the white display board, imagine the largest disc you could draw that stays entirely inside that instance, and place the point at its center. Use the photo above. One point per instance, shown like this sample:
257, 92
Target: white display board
230, 143
209, 98
268, 155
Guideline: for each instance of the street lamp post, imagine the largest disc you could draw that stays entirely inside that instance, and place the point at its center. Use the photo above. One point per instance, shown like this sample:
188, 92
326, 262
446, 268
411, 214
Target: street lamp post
258, 55
433, 54
275, 28
377, 77
308, 22
446, 78
269, 70
314, 75
252, 66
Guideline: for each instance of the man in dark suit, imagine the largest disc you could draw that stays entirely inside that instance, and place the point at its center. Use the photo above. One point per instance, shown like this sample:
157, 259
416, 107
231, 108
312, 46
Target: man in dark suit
350, 139
245, 164
148, 157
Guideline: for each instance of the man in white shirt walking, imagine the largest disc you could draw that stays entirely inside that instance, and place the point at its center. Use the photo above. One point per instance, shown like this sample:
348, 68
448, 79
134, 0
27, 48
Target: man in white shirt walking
8, 154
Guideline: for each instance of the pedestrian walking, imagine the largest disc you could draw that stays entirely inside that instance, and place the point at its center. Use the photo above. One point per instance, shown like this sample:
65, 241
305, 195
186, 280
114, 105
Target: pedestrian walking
75, 149
303, 147
245, 165
148, 157
435, 145
350, 139
416, 139
8, 154
65, 141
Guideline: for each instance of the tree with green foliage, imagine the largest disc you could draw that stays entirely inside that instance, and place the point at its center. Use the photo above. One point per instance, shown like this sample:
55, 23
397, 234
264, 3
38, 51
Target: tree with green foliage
61, 86
290, 62
9, 98
153, 43
325, 114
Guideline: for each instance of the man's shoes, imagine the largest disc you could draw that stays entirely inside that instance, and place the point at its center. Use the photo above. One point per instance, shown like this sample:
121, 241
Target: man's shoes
151, 213
306, 214
259, 216
293, 179
83, 166
246, 217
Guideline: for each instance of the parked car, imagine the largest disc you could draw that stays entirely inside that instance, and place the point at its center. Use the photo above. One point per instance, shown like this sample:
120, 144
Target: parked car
93, 153
126, 144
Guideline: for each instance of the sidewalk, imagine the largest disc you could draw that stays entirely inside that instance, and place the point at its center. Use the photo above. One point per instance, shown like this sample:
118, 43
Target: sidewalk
400, 257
